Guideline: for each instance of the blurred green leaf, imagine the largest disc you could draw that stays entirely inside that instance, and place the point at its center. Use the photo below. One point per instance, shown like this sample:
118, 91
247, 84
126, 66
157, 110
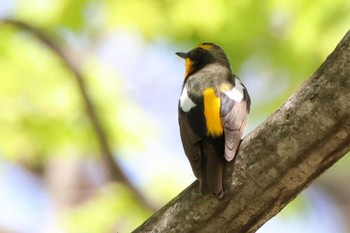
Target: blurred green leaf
112, 209
41, 107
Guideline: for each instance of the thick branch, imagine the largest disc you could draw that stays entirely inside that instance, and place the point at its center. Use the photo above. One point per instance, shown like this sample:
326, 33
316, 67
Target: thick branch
114, 171
279, 159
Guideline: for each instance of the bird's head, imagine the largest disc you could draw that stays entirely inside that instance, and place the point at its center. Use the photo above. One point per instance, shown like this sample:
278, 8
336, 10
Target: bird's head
204, 54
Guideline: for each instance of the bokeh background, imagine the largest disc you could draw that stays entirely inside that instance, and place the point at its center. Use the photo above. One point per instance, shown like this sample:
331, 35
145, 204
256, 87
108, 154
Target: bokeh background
52, 174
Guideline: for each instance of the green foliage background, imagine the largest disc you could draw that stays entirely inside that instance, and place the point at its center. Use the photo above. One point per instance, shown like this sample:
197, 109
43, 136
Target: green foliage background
42, 114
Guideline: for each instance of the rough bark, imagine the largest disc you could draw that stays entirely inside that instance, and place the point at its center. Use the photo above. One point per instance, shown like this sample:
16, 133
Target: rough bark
276, 161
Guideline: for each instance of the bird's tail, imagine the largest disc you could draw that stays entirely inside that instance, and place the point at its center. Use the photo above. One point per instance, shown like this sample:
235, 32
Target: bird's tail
212, 167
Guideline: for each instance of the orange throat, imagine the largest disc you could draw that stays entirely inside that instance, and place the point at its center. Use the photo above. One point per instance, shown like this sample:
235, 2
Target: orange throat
189, 67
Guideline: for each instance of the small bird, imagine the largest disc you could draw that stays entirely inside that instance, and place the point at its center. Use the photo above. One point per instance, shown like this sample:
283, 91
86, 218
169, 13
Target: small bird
213, 110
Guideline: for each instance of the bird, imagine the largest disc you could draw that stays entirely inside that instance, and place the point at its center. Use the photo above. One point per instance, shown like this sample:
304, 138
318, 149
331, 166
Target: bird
212, 113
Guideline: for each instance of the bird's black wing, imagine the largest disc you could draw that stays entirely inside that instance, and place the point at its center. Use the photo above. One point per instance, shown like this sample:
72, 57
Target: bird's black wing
192, 131
234, 118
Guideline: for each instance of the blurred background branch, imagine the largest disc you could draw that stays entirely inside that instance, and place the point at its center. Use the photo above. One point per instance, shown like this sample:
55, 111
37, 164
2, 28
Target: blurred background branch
114, 171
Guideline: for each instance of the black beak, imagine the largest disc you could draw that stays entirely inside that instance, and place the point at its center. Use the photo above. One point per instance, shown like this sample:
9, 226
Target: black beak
182, 55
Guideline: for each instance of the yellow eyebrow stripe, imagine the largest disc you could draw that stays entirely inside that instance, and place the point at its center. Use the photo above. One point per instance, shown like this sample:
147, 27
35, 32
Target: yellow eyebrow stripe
212, 113
205, 46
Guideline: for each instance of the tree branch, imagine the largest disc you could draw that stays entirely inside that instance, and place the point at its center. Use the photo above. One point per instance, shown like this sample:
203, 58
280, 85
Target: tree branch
280, 158
114, 171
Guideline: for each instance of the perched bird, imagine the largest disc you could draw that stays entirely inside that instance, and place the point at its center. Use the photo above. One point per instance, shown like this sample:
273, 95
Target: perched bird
213, 110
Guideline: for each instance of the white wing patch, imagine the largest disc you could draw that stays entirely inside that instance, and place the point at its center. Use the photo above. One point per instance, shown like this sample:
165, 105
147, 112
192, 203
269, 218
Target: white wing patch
185, 101
237, 92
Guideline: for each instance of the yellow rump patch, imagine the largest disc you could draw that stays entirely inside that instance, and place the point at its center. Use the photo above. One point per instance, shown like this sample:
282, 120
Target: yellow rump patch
212, 113
205, 46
